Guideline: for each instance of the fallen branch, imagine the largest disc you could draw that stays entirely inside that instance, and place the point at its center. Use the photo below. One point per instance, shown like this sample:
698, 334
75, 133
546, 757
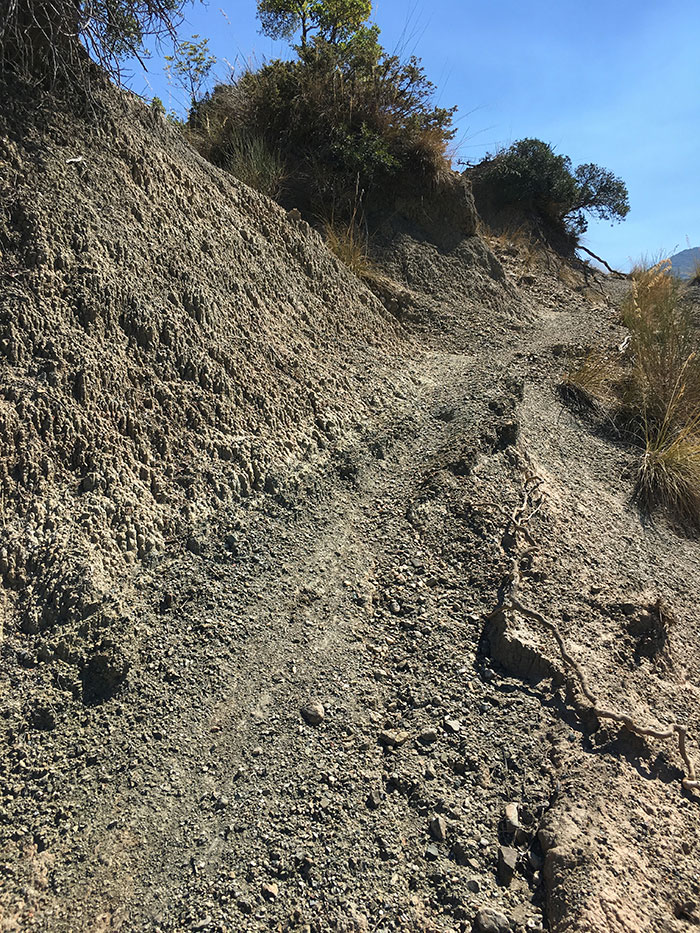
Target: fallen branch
620, 275
522, 514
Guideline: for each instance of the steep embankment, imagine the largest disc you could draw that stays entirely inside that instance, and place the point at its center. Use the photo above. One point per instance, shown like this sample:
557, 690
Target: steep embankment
170, 344
235, 488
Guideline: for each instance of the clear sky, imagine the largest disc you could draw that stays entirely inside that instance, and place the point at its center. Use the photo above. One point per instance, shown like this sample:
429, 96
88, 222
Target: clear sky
615, 82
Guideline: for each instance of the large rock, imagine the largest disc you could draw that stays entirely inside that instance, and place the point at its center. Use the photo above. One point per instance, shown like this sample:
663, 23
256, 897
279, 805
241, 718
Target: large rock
491, 921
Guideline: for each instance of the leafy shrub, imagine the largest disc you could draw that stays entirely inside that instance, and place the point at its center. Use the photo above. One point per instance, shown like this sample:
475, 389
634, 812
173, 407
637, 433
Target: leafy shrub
532, 179
343, 114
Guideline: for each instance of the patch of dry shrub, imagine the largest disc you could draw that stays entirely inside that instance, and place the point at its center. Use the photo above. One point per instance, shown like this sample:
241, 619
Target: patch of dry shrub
591, 382
651, 387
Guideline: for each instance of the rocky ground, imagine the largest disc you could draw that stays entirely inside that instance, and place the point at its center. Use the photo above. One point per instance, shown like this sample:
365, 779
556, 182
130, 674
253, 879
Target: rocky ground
303, 714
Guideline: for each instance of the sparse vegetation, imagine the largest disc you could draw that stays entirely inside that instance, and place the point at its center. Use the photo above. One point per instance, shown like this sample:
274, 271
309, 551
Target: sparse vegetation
651, 386
529, 180
513, 239
51, 42
695, 278
189, 66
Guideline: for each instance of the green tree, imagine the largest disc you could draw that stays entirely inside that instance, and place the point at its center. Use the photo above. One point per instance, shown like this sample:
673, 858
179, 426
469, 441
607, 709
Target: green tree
531, 176
52, 41
600, 192
330, 20
190, 65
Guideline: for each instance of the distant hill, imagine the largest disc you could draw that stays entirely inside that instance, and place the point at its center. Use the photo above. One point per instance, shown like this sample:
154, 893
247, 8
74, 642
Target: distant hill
686, 263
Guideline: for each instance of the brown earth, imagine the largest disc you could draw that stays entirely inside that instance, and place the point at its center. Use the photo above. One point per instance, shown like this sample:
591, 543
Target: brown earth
234, 486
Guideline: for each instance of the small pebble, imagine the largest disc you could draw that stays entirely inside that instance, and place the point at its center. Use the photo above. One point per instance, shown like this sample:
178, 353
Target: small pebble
438, 828
313, 712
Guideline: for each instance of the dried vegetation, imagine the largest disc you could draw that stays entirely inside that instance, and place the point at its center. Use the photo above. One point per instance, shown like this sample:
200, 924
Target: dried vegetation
650, 386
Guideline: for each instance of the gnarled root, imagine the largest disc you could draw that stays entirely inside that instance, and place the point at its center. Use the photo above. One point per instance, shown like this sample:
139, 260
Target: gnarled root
511, 603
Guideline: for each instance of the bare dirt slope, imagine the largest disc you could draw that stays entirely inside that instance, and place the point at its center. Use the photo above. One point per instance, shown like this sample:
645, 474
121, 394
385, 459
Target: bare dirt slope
264, 494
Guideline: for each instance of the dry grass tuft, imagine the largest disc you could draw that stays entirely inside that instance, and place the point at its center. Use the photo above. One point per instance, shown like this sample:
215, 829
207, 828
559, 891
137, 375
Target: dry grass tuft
569, 277
514, 238
591, 382
350, 245
516, 241
651, 387
669, 474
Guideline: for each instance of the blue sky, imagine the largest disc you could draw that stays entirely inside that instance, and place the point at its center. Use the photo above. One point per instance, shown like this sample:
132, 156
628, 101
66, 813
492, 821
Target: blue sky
616, 82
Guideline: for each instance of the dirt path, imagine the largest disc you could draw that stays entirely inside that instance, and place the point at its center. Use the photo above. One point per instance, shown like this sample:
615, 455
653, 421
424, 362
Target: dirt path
203, 800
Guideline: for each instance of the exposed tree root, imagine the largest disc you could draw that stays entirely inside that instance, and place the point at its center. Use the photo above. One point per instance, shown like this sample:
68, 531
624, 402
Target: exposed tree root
517, 525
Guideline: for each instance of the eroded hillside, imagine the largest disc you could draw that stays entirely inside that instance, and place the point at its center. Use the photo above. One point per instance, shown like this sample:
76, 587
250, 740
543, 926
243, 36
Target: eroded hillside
255, 531
171, 342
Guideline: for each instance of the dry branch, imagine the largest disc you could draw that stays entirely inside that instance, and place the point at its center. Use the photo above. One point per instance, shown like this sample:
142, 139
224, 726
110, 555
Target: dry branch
584, 249
56, 43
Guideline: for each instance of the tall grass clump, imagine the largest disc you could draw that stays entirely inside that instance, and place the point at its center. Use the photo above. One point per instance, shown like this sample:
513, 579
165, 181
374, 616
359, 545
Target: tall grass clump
349, 244
348, 239
660, 391
254, 161
663, 379
651, 387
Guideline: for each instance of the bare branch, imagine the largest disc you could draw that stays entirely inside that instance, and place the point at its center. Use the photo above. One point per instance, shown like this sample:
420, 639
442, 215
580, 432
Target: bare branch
57, 42
602, 262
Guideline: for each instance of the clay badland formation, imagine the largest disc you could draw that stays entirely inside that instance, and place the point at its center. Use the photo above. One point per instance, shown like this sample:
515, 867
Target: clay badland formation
263, 535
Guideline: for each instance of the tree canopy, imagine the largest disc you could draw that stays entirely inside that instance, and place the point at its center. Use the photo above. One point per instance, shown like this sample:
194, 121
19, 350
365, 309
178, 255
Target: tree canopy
531, 176
601, 193
330, 20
